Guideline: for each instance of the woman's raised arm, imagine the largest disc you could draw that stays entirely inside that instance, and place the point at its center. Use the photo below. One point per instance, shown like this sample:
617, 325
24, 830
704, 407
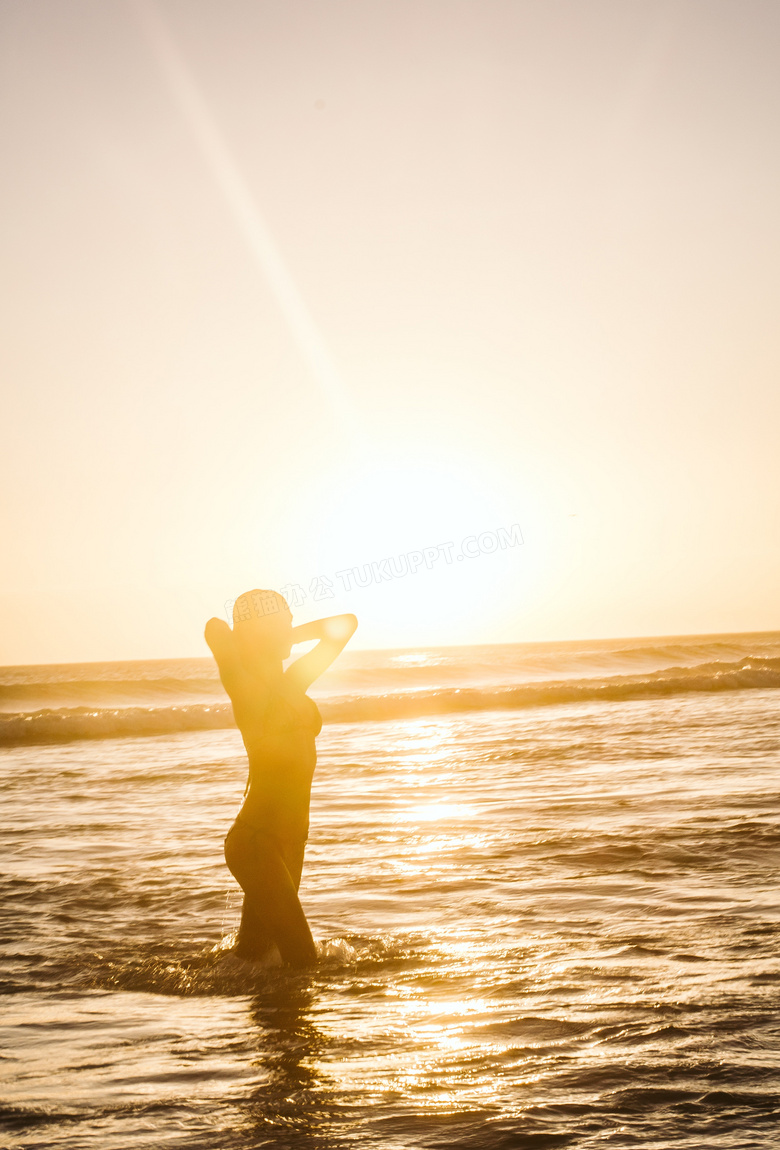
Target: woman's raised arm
333, 633
222, 642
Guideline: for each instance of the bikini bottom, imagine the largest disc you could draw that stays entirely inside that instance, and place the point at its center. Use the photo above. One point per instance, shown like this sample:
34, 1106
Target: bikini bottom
247, 830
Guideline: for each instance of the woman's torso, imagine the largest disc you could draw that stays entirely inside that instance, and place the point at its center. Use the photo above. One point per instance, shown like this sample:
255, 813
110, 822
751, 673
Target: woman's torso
278, 727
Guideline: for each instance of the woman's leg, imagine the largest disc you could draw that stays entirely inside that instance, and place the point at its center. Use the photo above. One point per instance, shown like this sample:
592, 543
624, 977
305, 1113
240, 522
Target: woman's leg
253, 940
292, 853
272, 910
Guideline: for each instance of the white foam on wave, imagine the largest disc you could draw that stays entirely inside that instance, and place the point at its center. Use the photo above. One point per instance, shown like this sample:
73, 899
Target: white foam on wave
336, 950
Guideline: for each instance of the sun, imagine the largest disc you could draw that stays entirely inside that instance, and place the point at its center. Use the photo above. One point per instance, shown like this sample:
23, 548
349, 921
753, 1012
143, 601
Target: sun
387, 506
390, 532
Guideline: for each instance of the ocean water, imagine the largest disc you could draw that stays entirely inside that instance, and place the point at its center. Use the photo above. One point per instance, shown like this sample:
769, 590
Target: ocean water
543, 880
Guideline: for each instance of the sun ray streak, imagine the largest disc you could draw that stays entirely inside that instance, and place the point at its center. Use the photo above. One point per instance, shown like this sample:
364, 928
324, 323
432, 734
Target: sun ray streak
247, 215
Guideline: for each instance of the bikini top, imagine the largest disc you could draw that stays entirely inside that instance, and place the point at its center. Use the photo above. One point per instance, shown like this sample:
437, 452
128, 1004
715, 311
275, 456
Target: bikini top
281, 715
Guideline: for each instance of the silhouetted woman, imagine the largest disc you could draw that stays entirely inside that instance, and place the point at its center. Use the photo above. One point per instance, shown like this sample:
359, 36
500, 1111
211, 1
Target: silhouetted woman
278, 723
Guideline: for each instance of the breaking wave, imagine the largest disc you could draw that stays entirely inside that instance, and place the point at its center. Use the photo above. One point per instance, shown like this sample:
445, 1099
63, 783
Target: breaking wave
58, 725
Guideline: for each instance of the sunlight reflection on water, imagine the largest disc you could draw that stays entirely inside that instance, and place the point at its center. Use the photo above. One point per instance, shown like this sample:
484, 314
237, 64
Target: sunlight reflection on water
523, 919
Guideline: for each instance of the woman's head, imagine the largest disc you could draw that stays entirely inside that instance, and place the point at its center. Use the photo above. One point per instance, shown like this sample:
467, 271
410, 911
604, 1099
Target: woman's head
262, 624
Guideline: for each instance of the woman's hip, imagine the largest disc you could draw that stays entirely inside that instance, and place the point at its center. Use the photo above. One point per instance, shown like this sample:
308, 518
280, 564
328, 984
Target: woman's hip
251, 848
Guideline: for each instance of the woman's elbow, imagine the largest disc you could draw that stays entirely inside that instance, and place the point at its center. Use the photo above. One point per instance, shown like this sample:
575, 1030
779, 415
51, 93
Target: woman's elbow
214, 629
340, 628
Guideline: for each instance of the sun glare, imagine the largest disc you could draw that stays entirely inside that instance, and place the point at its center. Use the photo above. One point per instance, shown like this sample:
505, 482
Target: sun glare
397, 538
398, 504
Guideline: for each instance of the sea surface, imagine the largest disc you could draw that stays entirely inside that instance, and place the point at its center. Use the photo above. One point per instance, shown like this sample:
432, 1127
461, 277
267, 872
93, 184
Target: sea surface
543, 879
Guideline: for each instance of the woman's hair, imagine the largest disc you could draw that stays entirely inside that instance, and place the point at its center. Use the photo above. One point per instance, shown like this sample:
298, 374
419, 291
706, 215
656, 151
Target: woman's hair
259, 604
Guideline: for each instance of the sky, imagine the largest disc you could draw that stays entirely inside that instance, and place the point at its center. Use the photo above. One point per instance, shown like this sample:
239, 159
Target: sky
290, 289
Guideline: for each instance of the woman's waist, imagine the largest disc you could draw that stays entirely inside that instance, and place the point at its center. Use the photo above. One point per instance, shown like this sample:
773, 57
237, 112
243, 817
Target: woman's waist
287, 746
274, 769
284, 819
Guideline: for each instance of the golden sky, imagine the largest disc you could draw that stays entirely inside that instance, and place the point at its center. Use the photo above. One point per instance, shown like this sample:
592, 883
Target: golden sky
290, 288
